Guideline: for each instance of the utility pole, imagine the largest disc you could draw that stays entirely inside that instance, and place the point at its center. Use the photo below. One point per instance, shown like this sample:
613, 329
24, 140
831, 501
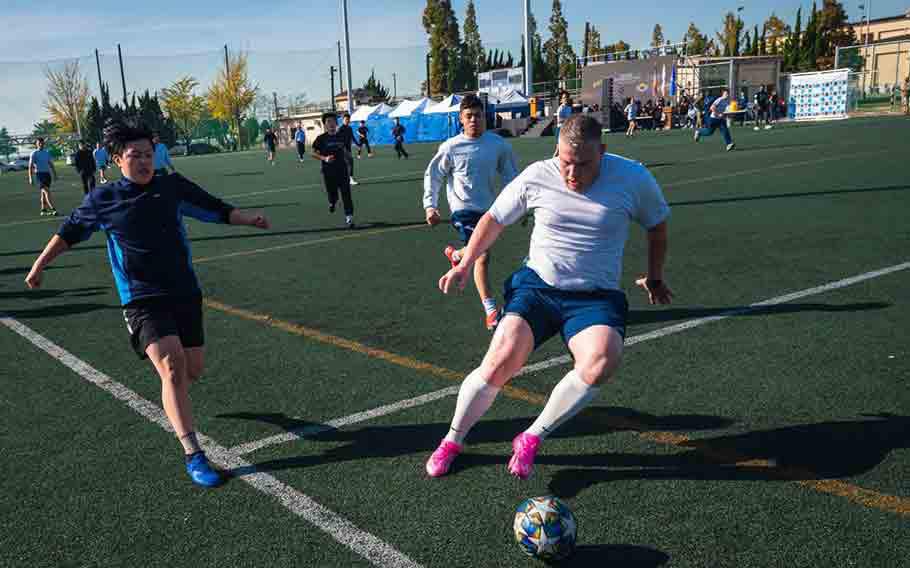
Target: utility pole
122, 76
332, 79
347, 45
394, 86
98, 65
340, 70
275, 99
227, 82
529, 66
429, 89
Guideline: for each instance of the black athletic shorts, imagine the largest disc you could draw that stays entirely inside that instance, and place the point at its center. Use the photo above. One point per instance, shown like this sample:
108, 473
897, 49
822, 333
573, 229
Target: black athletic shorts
152, 319
44, 180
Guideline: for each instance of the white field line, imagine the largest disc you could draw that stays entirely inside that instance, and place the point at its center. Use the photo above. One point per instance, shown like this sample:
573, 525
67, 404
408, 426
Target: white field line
319, 185
691, 324
361, 542
317, 429
314, 430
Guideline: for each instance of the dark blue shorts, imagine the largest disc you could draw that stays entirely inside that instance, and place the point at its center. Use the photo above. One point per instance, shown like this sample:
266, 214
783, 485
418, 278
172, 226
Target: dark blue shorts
549, 310
465, 221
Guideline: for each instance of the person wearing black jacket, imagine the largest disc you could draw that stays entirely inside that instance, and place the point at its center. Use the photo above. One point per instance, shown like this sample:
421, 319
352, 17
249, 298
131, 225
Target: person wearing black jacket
347, 134
398, 135
329, 148
85, 165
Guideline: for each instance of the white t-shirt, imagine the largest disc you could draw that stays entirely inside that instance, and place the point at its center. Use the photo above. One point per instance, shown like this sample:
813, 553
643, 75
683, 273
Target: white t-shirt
468, 167
579, 238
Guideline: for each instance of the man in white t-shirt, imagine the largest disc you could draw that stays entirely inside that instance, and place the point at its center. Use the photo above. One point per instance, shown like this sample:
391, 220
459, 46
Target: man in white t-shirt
583, 203
468, 165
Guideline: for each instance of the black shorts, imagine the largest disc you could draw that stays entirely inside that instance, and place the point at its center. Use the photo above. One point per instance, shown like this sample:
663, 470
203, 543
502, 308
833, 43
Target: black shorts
153, 319
44, 180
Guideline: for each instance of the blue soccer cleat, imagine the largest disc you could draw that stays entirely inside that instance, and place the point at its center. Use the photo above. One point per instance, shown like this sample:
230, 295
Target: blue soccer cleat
201, 472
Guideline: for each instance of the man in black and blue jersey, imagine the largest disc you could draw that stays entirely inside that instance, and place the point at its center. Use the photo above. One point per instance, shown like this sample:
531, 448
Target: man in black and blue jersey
142, 215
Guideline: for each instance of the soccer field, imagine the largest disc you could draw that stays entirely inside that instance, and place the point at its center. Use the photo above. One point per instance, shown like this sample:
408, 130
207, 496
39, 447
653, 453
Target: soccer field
762, 420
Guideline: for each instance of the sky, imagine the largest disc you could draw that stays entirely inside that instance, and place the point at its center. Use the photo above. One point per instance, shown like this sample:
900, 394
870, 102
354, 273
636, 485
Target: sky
291, 44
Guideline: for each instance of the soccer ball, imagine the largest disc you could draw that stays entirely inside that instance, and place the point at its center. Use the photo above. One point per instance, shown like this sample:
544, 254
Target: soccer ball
545, 529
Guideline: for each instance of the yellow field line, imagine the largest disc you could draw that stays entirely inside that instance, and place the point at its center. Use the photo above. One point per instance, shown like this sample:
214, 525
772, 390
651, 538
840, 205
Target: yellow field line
859, 495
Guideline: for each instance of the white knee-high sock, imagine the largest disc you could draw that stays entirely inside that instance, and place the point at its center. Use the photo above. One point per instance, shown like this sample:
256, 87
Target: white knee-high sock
569, 397
474, 398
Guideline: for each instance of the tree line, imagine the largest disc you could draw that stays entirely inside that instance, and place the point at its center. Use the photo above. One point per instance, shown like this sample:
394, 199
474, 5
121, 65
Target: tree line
455, 58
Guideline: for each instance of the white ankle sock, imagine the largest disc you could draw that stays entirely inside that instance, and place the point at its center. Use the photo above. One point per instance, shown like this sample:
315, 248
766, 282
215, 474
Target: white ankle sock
569, 397
474, 398
489, 305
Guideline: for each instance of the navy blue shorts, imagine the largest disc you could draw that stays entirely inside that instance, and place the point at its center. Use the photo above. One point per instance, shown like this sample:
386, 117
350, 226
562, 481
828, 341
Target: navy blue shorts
549, 310
465, 221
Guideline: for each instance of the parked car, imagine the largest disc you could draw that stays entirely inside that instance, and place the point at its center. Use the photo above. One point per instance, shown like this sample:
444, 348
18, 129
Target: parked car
201, 148
19, 164
4, 167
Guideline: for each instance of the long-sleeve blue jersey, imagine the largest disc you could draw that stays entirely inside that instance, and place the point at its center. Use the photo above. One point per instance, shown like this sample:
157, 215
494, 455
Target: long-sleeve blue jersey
146, 239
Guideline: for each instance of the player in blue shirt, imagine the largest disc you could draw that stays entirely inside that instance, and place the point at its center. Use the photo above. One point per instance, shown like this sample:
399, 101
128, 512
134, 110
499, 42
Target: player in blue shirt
300, 139
162, 160
142, 215
41, 164
101, 158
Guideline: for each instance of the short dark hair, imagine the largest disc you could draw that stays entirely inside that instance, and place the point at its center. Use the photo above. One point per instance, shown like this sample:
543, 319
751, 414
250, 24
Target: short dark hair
328, 115
40, 139
347, 115
470, 101
119, 133
581, 129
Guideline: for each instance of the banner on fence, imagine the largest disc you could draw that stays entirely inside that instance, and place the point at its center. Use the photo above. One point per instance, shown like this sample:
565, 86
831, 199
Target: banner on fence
820, 96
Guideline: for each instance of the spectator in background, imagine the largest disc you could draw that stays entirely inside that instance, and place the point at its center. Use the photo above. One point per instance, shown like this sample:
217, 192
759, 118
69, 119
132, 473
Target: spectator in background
162, 159
398, 134
85, 165
101, 157
300, 139
905, 95
631, 115
562, 114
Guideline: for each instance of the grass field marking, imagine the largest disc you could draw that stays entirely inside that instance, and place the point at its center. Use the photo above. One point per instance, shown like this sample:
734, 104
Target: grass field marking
317, 429
691, 324
32, 221
319, 185
769, 168
361, 542
357, 347
348, 235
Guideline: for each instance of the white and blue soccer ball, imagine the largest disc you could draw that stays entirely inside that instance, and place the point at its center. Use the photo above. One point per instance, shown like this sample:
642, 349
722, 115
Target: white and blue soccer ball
545, 529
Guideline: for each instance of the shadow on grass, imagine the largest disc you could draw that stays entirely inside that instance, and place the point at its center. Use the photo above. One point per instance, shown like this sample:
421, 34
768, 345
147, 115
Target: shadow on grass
614, 555
824, 450
789, 195
392, 441
25, 269
640, 317
27, 294
58, 311
362, 226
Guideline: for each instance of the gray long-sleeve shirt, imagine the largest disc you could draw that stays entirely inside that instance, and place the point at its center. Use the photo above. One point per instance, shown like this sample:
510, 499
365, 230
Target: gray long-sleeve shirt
468, 168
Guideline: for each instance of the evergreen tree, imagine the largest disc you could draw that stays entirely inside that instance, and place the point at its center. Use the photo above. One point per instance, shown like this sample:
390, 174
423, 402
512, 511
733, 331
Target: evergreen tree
560, 57
696, 42
748, 42
792, 47
756, 46
807, 53
657, 36
375, 89
94, 123
473, 47
6, 143
833, 31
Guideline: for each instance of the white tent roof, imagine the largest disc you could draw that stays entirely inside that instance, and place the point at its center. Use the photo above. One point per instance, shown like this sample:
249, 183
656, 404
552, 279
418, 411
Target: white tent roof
407, 108
448, 104
363, 112
382, 109
512, 97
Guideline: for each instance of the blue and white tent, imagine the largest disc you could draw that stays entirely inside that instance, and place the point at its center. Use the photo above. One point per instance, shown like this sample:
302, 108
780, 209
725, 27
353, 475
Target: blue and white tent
440, 121
409, 114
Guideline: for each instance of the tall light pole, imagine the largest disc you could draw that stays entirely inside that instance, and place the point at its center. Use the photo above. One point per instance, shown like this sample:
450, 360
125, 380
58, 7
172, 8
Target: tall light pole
529, 66
347, 46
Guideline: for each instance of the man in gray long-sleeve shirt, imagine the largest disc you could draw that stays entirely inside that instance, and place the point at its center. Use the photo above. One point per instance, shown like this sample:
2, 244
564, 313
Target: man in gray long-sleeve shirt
468, 165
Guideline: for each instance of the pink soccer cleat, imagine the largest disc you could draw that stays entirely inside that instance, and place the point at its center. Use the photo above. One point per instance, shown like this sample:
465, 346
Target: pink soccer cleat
441, 460
524, 448
450, 254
